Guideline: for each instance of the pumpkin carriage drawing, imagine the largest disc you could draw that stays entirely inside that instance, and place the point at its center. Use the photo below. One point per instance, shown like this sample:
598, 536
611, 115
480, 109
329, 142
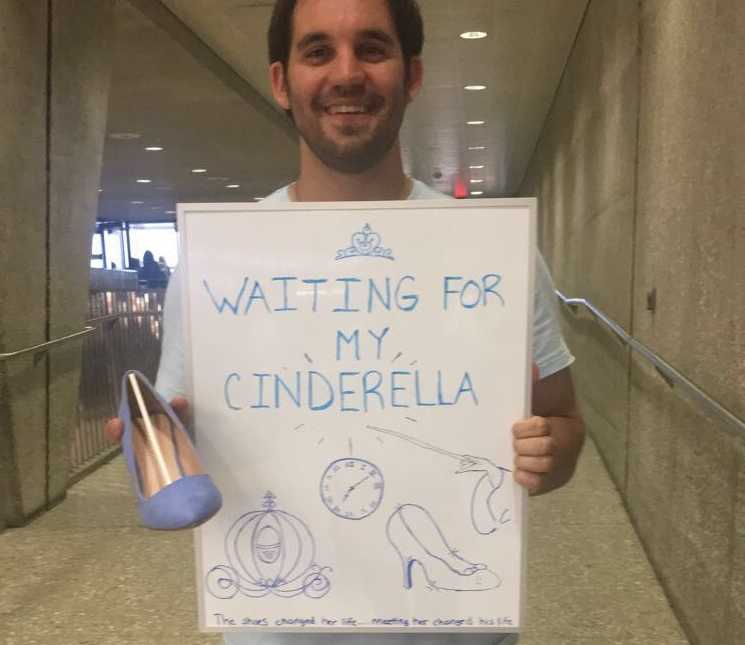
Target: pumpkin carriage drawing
269, 551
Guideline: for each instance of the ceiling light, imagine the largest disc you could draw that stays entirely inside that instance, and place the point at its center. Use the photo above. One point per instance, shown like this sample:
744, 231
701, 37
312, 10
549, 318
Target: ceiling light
100, 190
233, 186
218, 178
473, 35
258, 199
477, 181
124, 136
476, 193
137, 203
475, 122
144, 181
474, 88
477, 147
170, 212
153, 148
476, 167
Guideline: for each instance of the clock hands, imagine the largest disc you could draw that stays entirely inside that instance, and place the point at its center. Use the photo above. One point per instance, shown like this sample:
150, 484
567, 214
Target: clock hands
352, 487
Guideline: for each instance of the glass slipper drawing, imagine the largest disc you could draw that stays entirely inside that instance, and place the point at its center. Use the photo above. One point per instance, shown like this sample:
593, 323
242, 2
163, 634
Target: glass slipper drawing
417, 539
172, 489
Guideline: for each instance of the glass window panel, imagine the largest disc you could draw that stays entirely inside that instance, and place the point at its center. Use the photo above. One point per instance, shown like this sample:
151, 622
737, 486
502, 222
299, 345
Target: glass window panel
114, 238
160, 239
96, 252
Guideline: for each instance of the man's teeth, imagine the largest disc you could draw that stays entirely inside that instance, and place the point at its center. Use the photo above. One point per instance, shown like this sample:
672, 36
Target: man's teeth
347, 109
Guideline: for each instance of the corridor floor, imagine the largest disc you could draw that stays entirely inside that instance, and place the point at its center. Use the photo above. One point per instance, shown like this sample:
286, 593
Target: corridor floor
85, 573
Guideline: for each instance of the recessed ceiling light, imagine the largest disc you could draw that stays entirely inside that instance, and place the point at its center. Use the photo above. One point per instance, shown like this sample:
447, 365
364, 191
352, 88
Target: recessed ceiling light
153, 148
233, 186
199, 170
474, 88
477, 147
144, 181
476, 193
137, 203
170, 212
124, 136
476, 167
258, 199
100, 190
473, 35
475, 122
477, 181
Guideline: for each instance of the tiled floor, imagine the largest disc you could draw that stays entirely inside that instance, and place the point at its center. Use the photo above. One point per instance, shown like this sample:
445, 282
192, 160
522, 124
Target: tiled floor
85, 573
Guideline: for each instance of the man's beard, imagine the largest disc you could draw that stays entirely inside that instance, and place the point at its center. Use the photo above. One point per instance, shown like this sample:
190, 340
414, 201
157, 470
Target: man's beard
363, 152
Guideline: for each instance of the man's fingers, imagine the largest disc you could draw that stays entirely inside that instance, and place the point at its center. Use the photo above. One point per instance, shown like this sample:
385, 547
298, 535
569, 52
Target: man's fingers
533, 427
181, 407
539, 465
113, 430
535, 446
530, 481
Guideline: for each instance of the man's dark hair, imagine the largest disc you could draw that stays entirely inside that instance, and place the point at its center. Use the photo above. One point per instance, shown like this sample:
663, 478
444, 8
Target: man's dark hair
405, 14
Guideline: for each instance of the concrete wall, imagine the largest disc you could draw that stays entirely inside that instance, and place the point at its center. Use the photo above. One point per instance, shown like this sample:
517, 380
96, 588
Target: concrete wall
53, 106
640, 172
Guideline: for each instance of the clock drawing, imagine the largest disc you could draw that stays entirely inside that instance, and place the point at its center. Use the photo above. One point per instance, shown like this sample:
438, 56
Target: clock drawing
352, 488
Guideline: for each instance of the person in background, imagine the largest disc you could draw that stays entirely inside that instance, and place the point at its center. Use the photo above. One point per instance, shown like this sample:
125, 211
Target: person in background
164, 267
151, 273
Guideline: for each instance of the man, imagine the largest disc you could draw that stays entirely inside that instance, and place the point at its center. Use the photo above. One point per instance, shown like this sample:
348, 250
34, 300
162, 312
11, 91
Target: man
345, 70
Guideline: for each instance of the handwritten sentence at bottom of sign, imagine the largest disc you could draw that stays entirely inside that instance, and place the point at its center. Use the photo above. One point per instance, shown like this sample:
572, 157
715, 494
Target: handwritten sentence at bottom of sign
223, 620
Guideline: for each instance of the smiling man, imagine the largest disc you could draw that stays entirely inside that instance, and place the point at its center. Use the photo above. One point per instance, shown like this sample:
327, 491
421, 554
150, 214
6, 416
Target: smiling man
346, 75
345, 71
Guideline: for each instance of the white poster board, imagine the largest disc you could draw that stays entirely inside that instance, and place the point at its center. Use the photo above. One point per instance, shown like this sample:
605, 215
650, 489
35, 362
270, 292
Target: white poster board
355, 370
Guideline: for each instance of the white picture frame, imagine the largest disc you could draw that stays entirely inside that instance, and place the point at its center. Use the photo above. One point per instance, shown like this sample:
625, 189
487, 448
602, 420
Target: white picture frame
365, 456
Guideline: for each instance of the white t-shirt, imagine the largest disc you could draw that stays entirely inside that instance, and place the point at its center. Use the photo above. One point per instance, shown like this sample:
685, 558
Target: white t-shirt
550, 353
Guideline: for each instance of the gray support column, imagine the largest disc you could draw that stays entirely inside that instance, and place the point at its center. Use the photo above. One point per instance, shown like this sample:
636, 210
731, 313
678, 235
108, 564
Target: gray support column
82, 34
23, 263
55, 77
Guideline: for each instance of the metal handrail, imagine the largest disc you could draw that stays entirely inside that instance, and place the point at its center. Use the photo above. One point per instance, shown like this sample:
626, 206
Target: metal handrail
672, 376
43, 347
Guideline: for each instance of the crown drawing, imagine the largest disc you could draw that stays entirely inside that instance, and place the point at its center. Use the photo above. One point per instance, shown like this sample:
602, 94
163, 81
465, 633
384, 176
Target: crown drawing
365, 243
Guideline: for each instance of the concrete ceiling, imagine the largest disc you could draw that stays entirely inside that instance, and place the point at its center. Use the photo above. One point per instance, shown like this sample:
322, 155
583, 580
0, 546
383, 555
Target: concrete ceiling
191, 76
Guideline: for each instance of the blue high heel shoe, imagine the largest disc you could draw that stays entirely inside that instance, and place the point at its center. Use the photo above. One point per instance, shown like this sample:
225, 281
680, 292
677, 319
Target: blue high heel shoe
172, 490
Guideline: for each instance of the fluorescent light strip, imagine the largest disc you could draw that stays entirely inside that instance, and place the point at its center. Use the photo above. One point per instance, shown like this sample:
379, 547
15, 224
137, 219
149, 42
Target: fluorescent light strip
473, 35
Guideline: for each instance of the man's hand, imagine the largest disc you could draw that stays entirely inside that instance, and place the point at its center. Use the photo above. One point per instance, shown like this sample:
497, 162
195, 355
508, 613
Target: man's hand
547, 446
115, 427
